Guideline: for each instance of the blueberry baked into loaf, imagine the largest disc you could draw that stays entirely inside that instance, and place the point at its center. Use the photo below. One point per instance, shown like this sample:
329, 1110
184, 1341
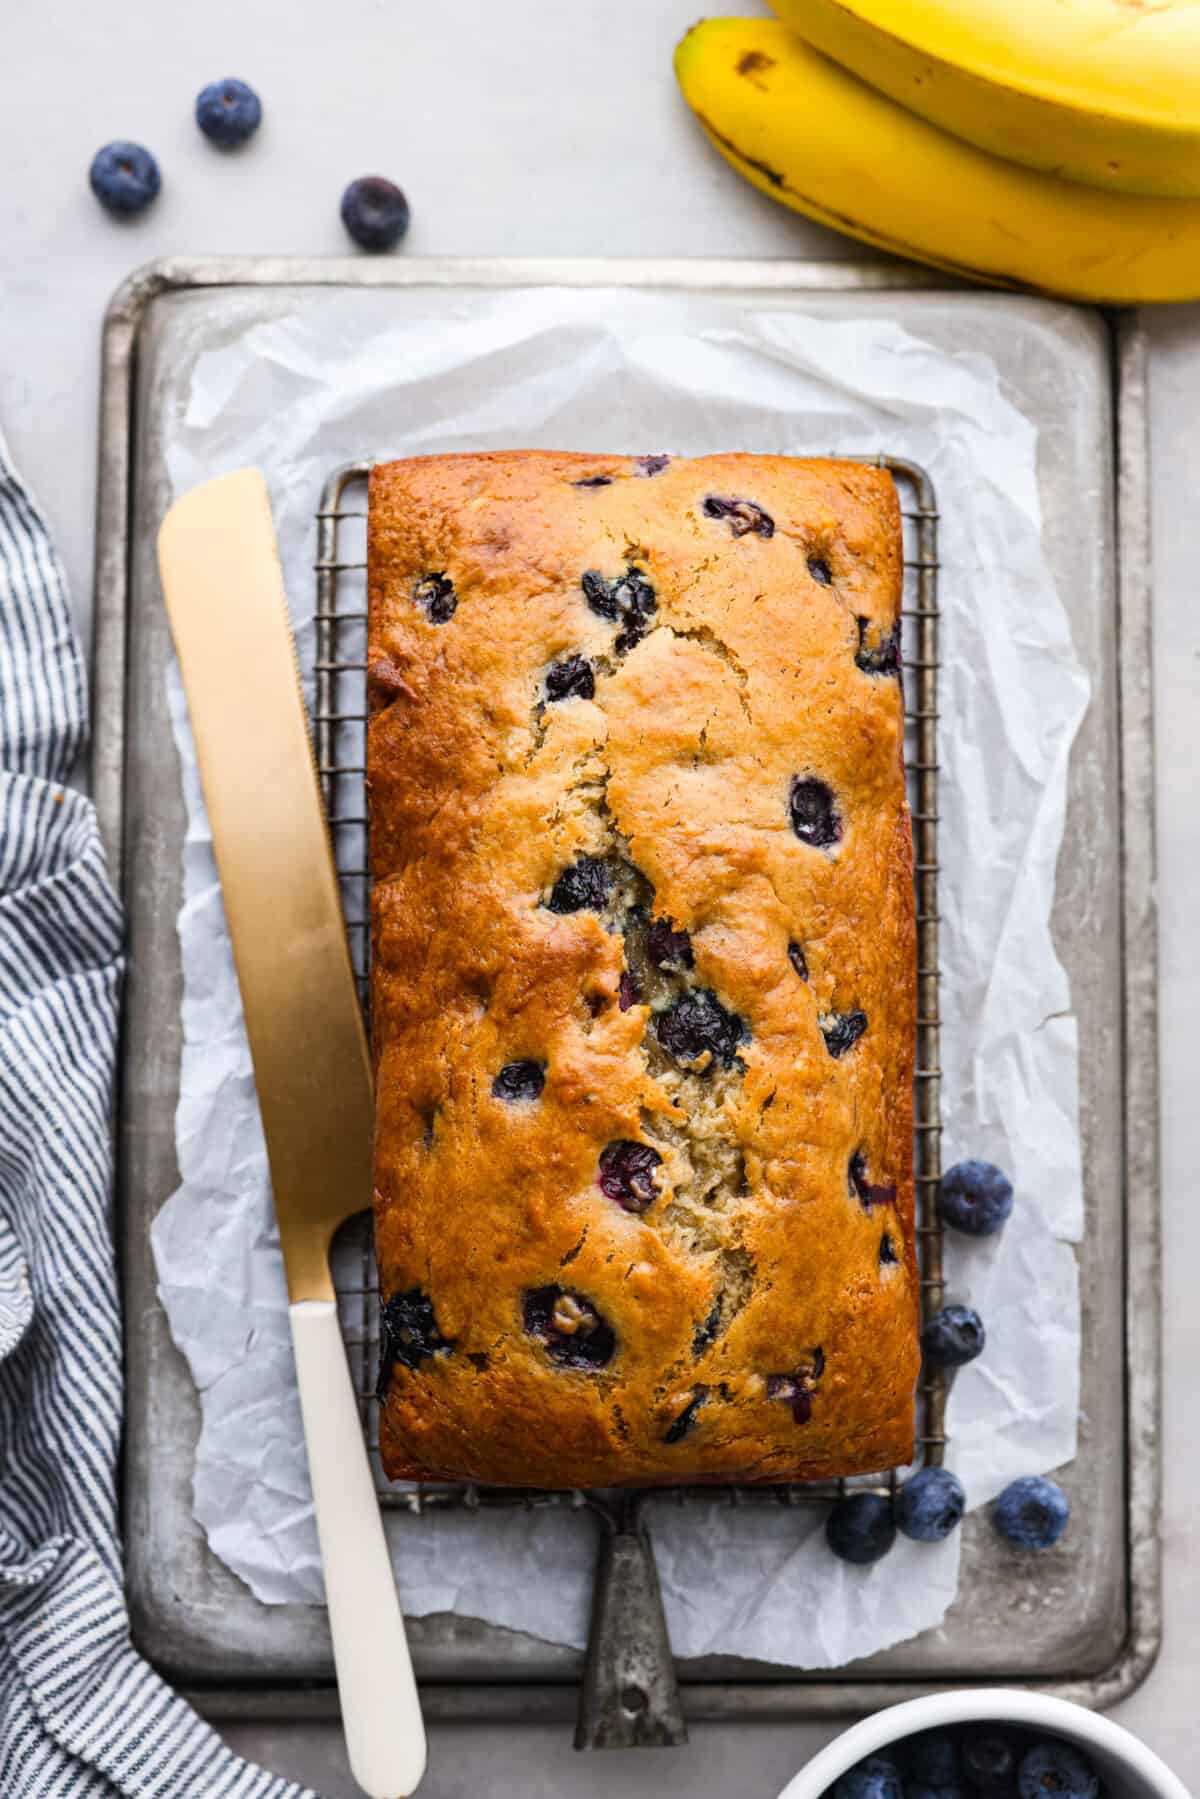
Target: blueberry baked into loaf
643, 982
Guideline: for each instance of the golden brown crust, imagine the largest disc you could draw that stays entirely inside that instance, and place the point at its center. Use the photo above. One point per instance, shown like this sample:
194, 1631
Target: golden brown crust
755, 1332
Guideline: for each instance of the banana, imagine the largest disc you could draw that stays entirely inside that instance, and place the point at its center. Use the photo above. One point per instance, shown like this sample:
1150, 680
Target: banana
1102, 91
819, 140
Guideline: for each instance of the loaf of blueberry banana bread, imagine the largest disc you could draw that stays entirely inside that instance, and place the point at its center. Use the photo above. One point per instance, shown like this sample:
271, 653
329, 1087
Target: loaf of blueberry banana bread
643, 980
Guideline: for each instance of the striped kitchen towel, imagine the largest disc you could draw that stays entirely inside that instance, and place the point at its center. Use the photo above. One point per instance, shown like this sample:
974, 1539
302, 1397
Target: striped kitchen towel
81, 1714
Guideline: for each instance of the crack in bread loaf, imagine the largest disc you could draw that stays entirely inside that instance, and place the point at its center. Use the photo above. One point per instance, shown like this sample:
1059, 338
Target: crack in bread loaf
643, 978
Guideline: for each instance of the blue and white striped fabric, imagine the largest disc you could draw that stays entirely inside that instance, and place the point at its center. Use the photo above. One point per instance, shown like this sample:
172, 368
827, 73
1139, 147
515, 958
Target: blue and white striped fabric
81, 1714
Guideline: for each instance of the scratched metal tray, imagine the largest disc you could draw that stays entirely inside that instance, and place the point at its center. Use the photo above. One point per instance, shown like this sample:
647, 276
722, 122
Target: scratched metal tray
1080, 378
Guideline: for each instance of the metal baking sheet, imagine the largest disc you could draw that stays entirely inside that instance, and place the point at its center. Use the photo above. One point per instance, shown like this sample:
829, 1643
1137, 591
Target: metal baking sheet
1095, 1636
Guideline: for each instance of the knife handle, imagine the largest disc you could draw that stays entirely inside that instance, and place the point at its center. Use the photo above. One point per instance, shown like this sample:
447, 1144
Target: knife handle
381, 1714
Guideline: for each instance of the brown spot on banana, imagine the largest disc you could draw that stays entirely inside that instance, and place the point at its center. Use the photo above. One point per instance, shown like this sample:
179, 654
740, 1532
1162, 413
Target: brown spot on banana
751, 162
752, 64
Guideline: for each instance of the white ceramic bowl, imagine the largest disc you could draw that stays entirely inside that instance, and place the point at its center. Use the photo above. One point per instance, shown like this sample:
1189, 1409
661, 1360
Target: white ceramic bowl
1129, 1770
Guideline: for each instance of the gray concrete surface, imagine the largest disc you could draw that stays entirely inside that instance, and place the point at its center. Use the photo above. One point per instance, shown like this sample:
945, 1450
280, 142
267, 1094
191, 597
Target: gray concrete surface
523, 128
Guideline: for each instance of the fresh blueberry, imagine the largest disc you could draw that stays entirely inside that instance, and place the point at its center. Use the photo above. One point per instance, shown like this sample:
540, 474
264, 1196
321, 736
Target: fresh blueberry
860, 1528
228, 112
813, 813
798, 960
921, 1789
1032, 1512
842, 1030
668, 948
698, 1026
629, 1174
742, 515
876, 1778
930, 1505
882, 658
975, 1197
375, 212
861, 1186
436, 597
682, 1424
520, 1080
1056, 1771
570, 679
124, 177
820, 571
953, 1337
581, 887
408, 1333
989, 1760
934, 1759
570, 1327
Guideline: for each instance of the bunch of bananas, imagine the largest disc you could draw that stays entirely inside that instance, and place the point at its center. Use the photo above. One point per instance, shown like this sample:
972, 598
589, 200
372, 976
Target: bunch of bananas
1056, 148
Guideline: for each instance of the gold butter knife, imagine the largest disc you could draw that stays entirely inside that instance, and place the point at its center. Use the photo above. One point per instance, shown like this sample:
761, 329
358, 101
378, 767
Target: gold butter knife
224, 593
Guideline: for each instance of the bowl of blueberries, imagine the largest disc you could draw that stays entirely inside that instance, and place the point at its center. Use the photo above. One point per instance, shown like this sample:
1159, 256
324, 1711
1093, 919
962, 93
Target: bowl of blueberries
988, 1744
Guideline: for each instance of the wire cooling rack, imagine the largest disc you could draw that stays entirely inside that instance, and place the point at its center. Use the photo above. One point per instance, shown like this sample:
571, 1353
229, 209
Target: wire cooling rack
339, 725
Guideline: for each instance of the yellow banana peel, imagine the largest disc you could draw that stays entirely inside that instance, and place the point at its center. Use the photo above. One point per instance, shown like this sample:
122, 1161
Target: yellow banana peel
1101, 91
817, 139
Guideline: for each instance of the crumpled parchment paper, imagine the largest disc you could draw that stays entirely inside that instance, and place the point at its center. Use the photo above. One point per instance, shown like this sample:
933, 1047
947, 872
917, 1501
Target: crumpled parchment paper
346, 375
